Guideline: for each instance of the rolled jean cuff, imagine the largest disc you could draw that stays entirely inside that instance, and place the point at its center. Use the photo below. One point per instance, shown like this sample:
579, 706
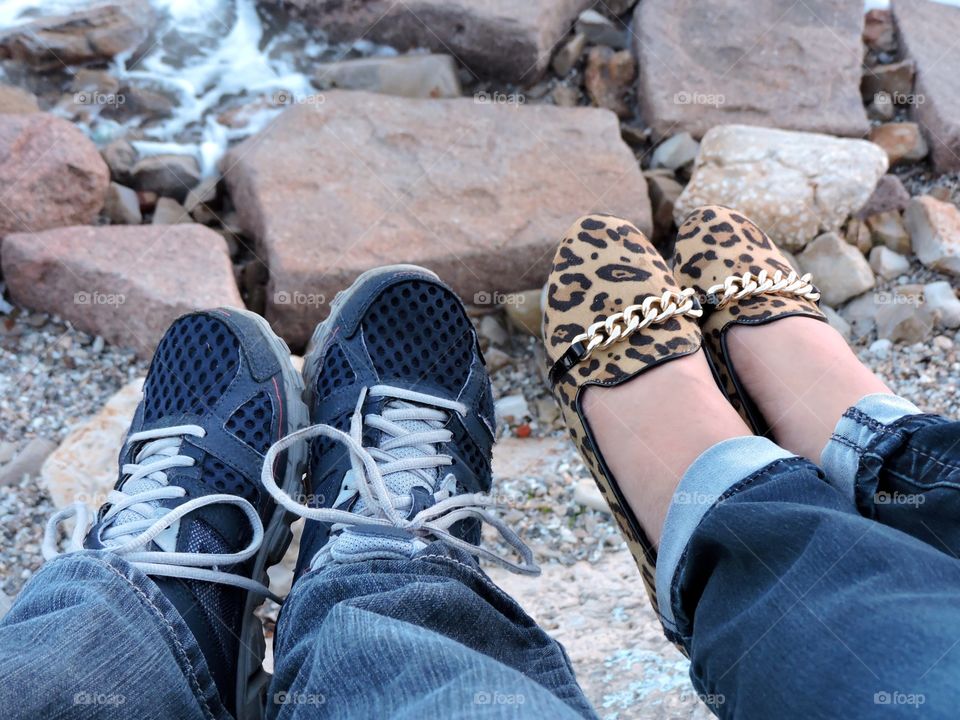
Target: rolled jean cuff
858, 430
702, 486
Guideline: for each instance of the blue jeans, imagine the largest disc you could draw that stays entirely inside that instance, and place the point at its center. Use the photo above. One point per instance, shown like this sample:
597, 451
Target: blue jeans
797, 592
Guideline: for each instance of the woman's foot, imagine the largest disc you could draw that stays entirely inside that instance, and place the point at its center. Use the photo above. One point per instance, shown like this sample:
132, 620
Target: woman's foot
652, 428
802, 376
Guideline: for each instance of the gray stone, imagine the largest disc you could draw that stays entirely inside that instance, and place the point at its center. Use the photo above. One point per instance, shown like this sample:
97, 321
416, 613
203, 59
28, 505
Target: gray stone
861, 313
122, 205
414, 76
794, 185
934, 228
942, 300
568, 54
704, 64
890, 194
675, 152
169, 212
28, 461
600, 30
887, 229
886, 263
167, 175
840, 272
908, 322
120, 157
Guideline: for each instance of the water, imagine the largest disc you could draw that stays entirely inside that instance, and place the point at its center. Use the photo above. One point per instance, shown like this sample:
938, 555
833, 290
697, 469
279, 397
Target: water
207, 57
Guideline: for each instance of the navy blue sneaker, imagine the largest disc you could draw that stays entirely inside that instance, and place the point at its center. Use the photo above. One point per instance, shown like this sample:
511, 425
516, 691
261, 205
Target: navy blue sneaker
404, 426
188, 508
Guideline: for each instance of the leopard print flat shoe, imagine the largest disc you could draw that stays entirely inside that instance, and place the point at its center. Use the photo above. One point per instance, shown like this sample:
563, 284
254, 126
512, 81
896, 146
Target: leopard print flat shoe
741, 277
612, 310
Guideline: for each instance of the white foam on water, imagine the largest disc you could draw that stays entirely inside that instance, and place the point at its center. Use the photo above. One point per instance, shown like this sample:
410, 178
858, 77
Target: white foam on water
207, 56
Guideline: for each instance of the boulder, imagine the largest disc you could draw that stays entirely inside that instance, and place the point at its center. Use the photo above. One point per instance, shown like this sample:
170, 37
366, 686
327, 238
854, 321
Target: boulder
902, 141
839, 270
90, 34
886, 263
752, 63
125, 283
415, 76
794, 185
608, 77
504, 39
928, 35
16, 101
934, 228
84, 467
890, 194
887, 229
51, 175
477, 192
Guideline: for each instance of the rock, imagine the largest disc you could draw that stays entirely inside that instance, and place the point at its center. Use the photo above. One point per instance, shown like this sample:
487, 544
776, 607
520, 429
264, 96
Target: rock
464, 188
942, 301
504, 39
836, 321
50, 174
27, 462
943, 343
15, 101
902, 321
169, 212
588, 494
890, 194
794, 185
861, 314
120, 157
840, 272
881, 348
901, 141
167, 175
569, 54
122, 205
414, 76
512, 409
879, 33
895, 79
126, 283
928, 34
608, 78
675, 152
524, 312
601, 31
491, 329
881, 107
496, 359
565, 96
664, 191
84, 468
91, 34
934, 228
858, 235
752, 63
887, 229
886, 263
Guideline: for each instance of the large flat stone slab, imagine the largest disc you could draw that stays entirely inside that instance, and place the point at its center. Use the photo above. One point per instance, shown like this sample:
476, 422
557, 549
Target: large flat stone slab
126, 283
756, 62
928, 34
479, 193
505, 39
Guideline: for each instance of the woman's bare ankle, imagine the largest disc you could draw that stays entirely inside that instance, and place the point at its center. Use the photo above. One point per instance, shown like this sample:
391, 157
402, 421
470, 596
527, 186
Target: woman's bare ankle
651, 428
802, 376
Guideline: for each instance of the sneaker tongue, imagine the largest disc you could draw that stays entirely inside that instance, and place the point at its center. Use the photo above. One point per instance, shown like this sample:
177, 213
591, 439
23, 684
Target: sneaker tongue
133, 487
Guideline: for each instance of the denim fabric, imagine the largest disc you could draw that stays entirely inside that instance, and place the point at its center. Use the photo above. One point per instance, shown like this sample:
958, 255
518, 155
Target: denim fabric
794, 602
92, 637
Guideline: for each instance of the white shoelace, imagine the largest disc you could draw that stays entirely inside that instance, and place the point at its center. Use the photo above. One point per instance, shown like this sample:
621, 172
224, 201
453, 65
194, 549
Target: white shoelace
144, 520
378, 505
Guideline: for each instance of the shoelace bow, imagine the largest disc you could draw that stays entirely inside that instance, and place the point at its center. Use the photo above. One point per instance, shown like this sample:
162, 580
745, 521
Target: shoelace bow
378, 506
144, 519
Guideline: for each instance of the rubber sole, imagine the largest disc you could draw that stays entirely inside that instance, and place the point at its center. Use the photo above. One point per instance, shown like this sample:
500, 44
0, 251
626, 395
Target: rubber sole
252, 679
